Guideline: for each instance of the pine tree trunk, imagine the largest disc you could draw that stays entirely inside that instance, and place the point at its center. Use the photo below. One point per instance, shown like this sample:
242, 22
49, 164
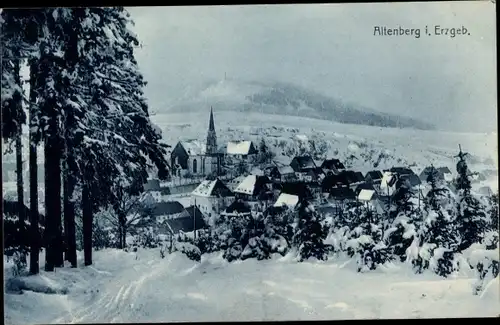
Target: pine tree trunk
69, 217
122, 224
59, 245
33, 172
49, 214
87, 225
19, 156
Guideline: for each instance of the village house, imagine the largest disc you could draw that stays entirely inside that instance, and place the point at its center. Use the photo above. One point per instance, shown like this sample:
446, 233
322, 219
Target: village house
412, 179
304, 168
340, 198
301, 190
332, 165
241, 150
255, 188
281, 174
163, 211
197, 158
288, 200
364, 186
238, 208
447, 174
370, 199
212, 196
400, 171
233, 183
192, 221
442, 173
374, 177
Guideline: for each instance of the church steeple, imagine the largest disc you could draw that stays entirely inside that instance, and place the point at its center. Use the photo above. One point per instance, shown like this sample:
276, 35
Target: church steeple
211, 126
211, 136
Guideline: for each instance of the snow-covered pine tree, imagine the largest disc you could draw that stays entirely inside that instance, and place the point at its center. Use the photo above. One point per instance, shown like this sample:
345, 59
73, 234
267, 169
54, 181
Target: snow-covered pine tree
254, 241
438, 238
402, 229
366, 242
309, 233
472, 217
13, 116
106, 115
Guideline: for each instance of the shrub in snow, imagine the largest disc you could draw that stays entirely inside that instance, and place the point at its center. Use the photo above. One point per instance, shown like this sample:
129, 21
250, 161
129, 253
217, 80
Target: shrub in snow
185, 244
205, 241
102, 236
147, 238
402, 233
484, 259
309, 234
366, 242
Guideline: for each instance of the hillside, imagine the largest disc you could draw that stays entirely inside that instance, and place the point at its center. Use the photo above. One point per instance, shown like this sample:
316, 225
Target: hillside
284, 99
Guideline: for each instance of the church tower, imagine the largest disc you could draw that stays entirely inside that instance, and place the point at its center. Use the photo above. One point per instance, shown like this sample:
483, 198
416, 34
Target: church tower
211, 136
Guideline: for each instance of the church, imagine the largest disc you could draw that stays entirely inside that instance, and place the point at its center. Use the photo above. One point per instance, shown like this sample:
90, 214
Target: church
196, 158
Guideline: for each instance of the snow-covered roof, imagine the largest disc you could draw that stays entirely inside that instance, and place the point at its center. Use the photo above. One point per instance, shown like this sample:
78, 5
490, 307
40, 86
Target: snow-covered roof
209, 188
194, 147
247, 185
232, 184
205, 188
366, 195
283, 170
301, 137
238, 147
287, 199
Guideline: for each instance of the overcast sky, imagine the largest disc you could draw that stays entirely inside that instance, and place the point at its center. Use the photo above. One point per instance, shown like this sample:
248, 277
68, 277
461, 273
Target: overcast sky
331, 49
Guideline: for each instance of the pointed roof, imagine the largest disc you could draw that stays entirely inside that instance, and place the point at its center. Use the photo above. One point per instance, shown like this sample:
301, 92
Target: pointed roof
211, 124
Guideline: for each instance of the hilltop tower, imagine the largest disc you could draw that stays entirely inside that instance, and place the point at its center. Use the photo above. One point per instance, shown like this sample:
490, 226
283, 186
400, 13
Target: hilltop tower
211, 136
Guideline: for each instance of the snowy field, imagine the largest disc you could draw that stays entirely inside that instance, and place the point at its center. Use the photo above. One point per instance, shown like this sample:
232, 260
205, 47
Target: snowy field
142, 287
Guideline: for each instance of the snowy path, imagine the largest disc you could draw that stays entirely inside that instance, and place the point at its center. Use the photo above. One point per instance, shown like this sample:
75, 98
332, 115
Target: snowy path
120, 288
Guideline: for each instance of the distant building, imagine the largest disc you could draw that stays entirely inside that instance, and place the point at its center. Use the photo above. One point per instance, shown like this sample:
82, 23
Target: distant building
282, 174
374, 176
197, 158
304, 168
241, 149
193, 220
212, 196
302, 164
442, 173
238, 208
287, 200
333, 165
255, 188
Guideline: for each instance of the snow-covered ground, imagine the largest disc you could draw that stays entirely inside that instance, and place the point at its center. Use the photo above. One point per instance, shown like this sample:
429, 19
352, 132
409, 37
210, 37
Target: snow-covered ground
142, 287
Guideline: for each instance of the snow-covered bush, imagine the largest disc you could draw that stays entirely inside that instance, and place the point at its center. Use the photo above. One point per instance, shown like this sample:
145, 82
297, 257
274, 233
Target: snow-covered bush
147, 237
366, 242
402, 233
185, 244
484, 259
309, 233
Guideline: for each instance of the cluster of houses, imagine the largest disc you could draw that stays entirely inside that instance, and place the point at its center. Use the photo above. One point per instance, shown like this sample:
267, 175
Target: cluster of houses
327, 184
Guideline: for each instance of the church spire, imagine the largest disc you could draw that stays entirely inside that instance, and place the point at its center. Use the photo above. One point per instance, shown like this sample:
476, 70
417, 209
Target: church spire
211, 136
211, 125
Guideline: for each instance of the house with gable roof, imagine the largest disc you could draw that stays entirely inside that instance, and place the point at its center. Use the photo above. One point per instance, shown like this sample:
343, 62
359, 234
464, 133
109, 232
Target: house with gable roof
242, 150
212, 196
